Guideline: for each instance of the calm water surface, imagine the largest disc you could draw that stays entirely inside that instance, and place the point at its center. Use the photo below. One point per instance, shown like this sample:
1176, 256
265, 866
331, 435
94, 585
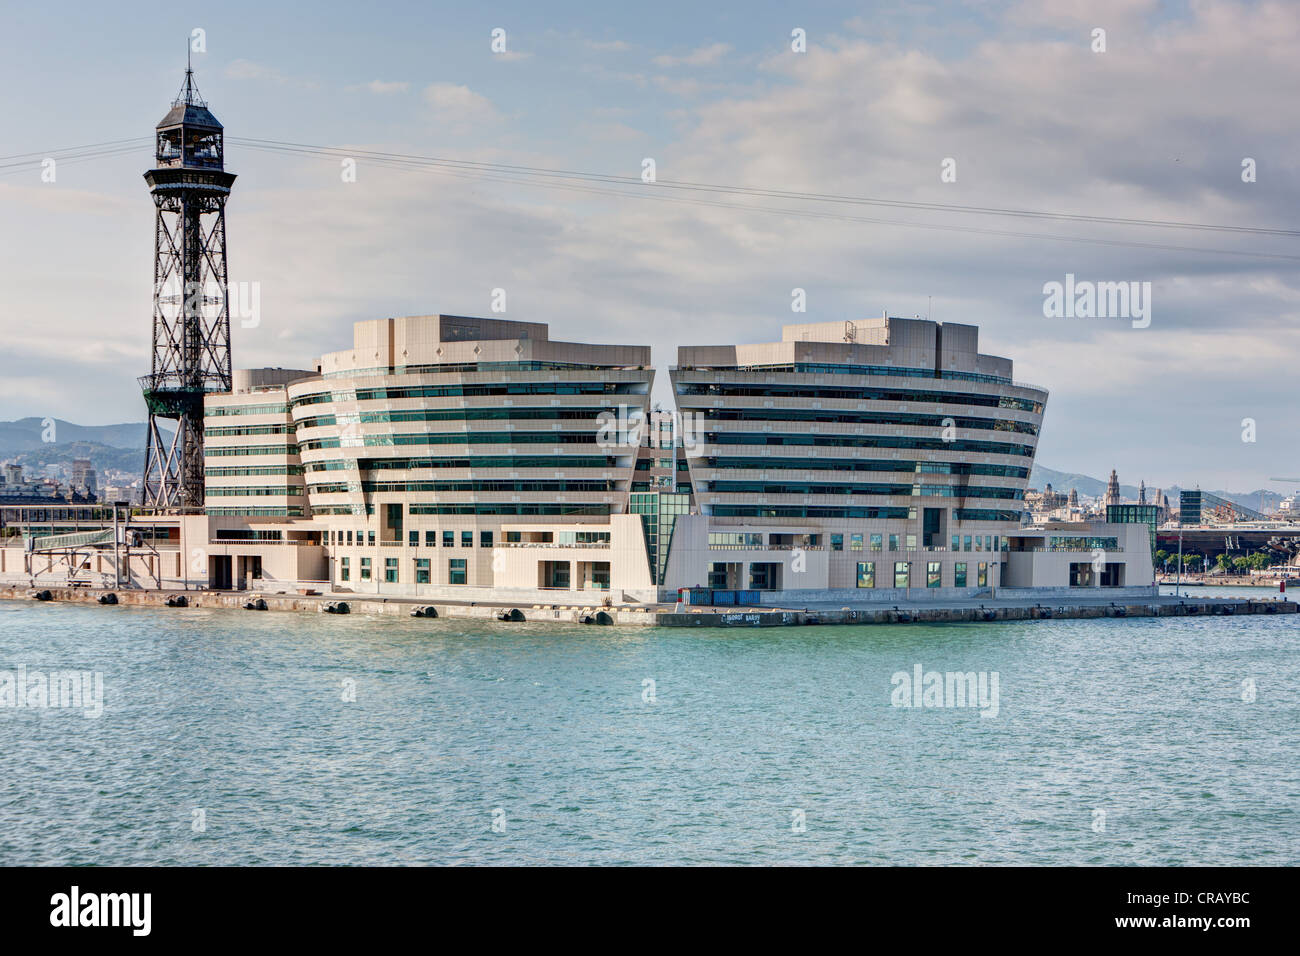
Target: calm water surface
242, 715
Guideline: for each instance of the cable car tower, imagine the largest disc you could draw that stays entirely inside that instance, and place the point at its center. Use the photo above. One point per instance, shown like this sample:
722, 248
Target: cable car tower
191, 313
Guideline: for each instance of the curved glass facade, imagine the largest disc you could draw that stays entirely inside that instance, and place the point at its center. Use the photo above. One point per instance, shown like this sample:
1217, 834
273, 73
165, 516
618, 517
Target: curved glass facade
810, 433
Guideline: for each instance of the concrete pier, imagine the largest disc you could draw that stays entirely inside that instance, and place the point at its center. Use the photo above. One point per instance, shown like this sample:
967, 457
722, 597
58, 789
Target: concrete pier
1000, 609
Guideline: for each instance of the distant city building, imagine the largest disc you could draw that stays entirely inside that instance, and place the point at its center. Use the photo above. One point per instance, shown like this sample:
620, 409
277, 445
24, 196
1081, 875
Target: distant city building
16, 489
1148, 515
1112, 491
84, 480
1200, 507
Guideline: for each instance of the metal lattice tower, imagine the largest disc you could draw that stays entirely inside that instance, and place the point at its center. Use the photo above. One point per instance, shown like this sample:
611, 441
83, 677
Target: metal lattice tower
191, 314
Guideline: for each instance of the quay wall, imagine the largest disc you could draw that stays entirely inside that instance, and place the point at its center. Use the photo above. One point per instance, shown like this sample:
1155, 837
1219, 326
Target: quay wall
987, 610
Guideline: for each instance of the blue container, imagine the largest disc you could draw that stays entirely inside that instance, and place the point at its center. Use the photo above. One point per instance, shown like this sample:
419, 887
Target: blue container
724, 597
698, 596
748, 597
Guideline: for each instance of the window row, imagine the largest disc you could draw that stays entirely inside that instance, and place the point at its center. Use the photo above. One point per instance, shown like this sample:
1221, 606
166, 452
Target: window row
876, 542
345, 537
867, 577
457, 570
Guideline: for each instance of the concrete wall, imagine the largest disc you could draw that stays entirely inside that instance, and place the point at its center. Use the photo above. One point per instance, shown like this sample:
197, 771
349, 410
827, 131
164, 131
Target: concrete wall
860, 596
1051, 569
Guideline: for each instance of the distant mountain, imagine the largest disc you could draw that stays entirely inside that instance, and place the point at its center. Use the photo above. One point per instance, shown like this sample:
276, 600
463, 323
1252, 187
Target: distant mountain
110, 448
1066, 481
28, 434
104, 458
1096, 487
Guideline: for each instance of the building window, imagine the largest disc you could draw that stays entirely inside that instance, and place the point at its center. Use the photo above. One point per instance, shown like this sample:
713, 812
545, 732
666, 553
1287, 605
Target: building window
837, 542
430, 539
765, 576
456, 573
735, 539
966, 543
390, 570
421, 570
988, 542
983, 579
893, 542
877, 541
855, 542
449, 539
345, 570
365, 569
349, 537
413, 538
467, 539
866, 574
485, 539
902, 574
959, 574
370, 538
554, 575
977, 543
933, 578
956, 542
911, 542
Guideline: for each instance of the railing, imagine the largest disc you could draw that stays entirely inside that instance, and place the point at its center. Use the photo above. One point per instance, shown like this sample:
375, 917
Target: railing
548, 544
766, 547
244, 542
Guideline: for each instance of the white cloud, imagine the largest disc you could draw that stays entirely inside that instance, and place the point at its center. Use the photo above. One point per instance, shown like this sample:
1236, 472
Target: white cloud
1095, 13
457, 104
678, 87
703, 56
384, 87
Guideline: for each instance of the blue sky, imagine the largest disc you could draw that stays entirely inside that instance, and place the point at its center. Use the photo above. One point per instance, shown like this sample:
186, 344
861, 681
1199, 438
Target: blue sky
1153, 128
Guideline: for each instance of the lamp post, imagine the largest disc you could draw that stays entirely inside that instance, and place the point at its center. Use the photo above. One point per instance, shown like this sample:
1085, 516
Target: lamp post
1179, 580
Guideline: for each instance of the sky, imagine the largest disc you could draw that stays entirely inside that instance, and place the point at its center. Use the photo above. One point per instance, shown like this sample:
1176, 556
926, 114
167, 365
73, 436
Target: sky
1016, 95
